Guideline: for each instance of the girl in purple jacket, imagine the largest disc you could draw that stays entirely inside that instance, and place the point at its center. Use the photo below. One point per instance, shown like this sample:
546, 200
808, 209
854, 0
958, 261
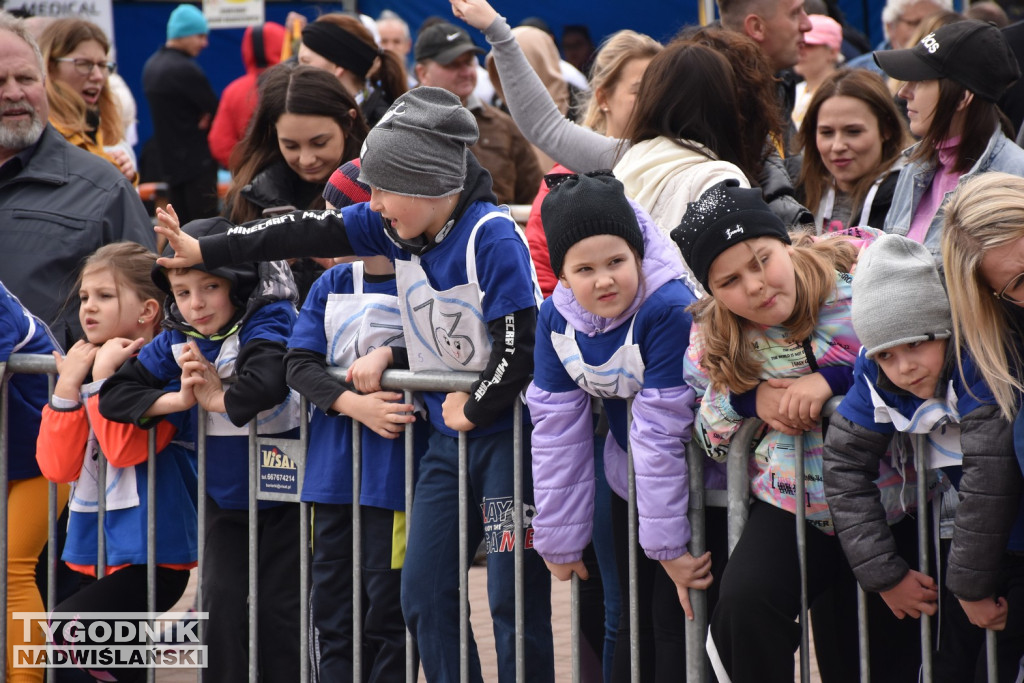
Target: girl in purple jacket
613, 330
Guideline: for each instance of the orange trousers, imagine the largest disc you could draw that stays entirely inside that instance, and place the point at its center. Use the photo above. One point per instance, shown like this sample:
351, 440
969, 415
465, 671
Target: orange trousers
27, 504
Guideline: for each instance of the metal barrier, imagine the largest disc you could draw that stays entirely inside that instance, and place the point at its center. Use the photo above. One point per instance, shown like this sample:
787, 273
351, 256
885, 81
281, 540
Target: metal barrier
735, 498
741, 448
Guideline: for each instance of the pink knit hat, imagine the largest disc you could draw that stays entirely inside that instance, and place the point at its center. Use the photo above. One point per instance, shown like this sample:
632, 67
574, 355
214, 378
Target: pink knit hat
824, 31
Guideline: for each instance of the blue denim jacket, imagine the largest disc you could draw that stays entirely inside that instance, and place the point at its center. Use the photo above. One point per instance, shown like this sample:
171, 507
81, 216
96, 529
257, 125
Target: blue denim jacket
1001, 154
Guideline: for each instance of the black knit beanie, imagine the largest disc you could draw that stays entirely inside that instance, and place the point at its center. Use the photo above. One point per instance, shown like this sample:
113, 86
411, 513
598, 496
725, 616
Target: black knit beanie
581, 206
726, 214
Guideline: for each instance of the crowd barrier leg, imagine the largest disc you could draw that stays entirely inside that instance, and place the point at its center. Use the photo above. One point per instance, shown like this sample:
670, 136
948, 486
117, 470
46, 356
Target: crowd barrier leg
634, 607
519, 537
4, 456
696, 629
574, 626
990, 656
463, 560
51, 553
101, 514
801, 551
920, 465
150, 536
411, 664
357, 552
253, 555
304, 569
201, 516
863, 648
51, 539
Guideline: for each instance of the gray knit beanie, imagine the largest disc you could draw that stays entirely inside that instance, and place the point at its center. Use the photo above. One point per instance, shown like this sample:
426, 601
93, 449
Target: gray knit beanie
898, 296
418, 148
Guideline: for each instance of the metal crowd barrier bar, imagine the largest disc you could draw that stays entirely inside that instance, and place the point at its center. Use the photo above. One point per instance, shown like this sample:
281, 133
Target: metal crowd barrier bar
801, 551
920, 465
4, 445
411, 665
52, 513
289, 455
740, 450
736, 498
634, 607
862, 635
150, 536
357, 551
696, 630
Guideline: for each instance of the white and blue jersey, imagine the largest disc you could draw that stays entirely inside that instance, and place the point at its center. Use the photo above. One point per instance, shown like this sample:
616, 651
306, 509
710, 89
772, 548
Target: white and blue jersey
22, 332
343, 318
227, 461
504, 278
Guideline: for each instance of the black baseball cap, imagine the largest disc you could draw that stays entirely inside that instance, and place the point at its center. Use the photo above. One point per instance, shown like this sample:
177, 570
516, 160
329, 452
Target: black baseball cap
443, 43
972, 53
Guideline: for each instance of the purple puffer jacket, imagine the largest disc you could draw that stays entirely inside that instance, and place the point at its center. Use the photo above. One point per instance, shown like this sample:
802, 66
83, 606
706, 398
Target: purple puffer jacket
563, 440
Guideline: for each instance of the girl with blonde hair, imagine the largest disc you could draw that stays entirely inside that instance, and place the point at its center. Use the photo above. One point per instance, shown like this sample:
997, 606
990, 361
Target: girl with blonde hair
773, 340
82, 106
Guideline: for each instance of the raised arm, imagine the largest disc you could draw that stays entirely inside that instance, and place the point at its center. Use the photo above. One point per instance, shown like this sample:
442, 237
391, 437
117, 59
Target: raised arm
532, 108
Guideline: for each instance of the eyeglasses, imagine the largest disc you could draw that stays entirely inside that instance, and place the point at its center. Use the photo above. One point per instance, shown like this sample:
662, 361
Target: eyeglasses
85, 66
1016, 284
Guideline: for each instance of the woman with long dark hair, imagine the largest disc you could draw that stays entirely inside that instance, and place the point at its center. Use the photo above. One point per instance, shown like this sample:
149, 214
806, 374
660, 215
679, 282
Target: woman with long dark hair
954, 77
305, 127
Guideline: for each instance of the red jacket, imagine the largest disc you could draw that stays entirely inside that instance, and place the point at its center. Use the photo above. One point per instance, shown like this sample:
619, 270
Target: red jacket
538, 241
239, 99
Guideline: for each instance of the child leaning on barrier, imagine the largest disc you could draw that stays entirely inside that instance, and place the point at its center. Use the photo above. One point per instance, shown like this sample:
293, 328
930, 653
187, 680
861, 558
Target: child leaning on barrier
773, 340
27, 510
350, 318
468, 304
219, 323
612, 329
907, 383
120, 311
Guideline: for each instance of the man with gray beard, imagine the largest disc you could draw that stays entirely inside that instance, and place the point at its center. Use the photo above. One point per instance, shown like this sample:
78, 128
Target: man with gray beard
58, 203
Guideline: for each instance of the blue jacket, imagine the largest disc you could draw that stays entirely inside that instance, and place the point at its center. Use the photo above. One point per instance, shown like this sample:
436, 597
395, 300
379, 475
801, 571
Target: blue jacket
21, 332
989, 487
329, 458
1001, 154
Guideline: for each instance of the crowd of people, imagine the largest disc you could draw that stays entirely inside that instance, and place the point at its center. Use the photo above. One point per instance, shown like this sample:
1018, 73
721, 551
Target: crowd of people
741, 223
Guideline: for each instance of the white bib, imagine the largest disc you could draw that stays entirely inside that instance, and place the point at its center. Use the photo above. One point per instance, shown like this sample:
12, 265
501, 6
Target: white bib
281, 418
621, 376
937, 418
121, 489
358, 323
446, 330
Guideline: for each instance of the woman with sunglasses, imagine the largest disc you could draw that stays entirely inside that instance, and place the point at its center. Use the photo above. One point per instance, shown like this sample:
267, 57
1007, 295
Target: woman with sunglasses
954, 76
82, 107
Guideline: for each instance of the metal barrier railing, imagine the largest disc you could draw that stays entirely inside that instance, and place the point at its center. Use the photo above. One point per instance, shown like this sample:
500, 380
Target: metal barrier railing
736, 499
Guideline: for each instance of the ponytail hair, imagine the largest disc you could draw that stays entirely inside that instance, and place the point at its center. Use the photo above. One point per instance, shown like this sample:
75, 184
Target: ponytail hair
130, 265
386, 72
